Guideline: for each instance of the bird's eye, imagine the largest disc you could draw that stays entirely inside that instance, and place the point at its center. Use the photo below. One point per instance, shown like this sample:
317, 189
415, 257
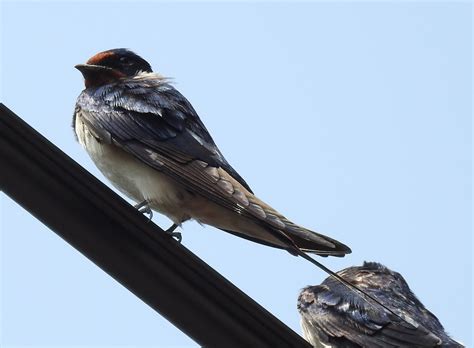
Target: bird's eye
125, 61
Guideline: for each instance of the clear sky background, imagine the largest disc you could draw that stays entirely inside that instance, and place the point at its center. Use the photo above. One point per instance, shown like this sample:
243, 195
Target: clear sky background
353, 119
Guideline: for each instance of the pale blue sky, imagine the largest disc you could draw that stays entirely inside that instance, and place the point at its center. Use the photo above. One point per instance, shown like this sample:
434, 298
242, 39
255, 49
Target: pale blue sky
353, 119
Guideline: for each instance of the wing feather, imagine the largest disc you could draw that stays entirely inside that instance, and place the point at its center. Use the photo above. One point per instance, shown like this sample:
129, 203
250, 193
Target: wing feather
333, 315
361, 324
157, 125
159, 116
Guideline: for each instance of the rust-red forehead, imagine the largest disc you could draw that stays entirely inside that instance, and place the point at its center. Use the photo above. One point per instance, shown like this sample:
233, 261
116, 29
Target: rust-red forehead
99, 57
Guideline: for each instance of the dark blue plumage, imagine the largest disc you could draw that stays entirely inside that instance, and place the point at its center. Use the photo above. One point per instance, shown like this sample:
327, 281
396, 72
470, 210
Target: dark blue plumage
148, 140
331, 315
148, 108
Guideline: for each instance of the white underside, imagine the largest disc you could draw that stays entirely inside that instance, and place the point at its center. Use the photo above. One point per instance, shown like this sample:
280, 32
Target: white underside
141, 182
310, 335
133, 178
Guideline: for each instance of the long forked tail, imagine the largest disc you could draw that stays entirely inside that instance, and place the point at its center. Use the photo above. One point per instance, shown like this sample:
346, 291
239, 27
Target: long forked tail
296, 235
313, 242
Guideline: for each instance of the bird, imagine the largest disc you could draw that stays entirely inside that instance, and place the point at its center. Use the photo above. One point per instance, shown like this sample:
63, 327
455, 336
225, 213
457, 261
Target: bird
331, 316
149, 142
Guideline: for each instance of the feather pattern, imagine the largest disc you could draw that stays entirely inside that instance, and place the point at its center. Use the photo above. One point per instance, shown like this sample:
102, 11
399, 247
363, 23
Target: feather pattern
147, 118
333, 316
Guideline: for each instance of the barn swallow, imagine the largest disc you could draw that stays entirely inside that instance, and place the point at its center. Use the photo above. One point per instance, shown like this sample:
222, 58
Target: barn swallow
147, 139
331, 316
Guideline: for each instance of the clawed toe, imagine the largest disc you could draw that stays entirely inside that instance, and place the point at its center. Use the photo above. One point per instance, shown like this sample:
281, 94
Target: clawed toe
145, 209
175, 235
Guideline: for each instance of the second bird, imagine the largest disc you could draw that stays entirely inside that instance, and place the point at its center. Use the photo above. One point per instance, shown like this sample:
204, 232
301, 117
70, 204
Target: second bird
148, 140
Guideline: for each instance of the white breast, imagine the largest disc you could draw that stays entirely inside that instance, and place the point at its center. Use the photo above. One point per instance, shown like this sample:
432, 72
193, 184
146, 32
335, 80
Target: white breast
310, 335
135, 179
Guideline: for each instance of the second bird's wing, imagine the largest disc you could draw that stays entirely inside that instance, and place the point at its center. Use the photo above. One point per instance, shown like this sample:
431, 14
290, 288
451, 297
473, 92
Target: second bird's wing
334, 315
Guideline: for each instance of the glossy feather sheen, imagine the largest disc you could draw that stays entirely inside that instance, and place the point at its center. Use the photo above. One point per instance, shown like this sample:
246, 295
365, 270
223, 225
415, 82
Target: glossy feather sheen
333, 316
150, 143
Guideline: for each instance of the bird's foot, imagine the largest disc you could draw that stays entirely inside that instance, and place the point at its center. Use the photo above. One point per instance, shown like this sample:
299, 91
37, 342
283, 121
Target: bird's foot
176, 235
144, 208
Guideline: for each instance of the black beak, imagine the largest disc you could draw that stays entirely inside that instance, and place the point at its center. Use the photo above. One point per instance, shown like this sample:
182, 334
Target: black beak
89, 69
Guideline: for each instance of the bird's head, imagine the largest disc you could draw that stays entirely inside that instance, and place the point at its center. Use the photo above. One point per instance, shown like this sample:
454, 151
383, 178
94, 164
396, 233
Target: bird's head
112, 65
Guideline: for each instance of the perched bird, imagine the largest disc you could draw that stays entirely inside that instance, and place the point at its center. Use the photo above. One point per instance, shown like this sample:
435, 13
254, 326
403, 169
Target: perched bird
332, 316
148, 140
